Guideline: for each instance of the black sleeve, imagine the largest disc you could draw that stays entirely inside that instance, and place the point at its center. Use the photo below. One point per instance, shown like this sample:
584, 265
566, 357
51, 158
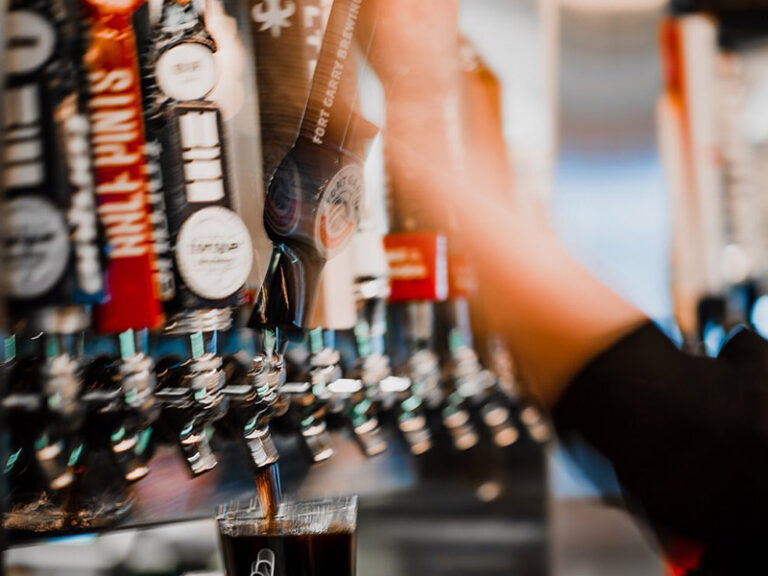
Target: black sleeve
687, 436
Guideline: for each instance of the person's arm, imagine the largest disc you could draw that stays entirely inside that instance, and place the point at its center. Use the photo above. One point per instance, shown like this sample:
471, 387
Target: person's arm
687, 436
557, 316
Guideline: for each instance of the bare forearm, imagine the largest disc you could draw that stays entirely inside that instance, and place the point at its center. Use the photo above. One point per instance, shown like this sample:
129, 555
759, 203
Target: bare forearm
556, 315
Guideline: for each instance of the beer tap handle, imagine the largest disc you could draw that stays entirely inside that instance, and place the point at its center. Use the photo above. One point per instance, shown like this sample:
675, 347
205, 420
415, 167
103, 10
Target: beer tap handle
313, 199
285, 300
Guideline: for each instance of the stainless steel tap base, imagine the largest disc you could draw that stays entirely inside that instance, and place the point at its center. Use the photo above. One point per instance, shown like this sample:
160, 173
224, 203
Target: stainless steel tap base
137, 380
133, 467
318, 442
537, 425
262, 447
207, 380
267, 378
374, 369
61, 376
197, 451
416, 433
459, 424
424, 372
370, 437
499, 423
53, 461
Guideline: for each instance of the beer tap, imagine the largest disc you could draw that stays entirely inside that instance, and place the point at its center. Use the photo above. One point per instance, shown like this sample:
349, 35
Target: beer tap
212, 248
349, 400
373, 366
687, 117
253, 390
418, 269
469, 379
190, 392
119, 389
118, 397
473, 310
741, 49
283, 82
314, 183
51, 255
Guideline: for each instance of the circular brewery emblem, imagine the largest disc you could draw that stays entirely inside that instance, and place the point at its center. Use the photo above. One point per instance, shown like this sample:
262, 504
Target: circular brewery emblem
339, 210
31, 41
214, 253
37, 246
186, 72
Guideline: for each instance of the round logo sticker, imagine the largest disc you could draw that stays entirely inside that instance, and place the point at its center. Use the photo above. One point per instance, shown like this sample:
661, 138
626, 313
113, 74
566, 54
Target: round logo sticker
37, 246
31, 41
214, 253
339, 210
186, 72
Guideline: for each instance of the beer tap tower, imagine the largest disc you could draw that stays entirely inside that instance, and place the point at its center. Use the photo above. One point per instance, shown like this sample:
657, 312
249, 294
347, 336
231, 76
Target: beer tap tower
125, 264
212, 247
52, 259
126, 381
314, 193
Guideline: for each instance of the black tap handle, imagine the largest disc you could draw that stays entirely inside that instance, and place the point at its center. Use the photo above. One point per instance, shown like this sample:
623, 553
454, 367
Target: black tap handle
312, 210
313, 200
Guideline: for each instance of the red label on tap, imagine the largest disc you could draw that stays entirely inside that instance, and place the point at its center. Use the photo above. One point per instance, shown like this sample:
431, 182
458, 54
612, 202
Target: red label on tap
120, 168
418, 266
462, 282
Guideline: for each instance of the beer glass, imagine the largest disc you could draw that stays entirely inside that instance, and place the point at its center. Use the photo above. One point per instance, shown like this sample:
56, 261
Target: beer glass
315, 538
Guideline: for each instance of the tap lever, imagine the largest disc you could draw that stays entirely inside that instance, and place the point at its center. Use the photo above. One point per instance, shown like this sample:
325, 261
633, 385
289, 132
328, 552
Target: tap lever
308, 414
192, 398
395, 392
361, 412
59, 443
253, 396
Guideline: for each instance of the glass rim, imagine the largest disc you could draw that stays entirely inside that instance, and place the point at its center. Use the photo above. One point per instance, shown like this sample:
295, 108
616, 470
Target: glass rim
240, 512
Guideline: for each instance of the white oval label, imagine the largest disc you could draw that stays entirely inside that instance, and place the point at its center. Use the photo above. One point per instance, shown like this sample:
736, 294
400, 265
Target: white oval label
339, 210
214, 253
31, 42
186, 72
36, 246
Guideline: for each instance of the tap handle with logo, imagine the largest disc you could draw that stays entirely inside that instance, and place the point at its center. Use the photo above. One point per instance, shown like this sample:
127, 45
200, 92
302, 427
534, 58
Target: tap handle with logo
212, 246
313, 201
51, 237
121, 171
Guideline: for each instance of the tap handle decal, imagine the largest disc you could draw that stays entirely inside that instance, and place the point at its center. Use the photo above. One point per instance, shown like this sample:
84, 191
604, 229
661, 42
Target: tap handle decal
213, 251
328, 113
51, 238
418, 264
121, 172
